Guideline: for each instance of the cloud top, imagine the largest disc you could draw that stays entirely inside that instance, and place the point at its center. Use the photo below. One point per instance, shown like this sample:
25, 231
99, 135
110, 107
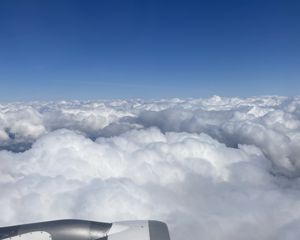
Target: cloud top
218, 168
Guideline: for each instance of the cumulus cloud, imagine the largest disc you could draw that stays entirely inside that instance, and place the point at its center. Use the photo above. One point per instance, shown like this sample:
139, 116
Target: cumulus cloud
218, 168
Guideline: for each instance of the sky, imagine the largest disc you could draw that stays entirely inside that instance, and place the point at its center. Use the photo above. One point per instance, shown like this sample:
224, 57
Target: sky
59, 49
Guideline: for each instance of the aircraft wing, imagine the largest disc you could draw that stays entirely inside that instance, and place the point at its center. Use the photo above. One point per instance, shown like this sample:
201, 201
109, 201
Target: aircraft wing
87, 230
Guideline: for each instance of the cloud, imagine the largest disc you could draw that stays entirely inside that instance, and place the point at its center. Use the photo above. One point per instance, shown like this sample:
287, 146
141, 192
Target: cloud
218, 168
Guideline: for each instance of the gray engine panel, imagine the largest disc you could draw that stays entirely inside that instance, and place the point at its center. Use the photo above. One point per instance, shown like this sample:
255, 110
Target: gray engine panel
61, 230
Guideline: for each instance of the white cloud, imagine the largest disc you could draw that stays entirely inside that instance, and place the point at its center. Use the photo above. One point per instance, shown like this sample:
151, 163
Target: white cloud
219, 168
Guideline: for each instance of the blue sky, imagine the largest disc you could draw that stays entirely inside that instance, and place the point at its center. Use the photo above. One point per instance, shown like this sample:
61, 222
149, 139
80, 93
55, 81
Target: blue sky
95, 49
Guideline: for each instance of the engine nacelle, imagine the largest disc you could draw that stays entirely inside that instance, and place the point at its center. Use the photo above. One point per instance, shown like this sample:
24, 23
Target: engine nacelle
87, 230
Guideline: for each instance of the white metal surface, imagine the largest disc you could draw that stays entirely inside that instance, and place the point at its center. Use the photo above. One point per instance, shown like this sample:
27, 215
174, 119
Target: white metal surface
138, 230
31, 236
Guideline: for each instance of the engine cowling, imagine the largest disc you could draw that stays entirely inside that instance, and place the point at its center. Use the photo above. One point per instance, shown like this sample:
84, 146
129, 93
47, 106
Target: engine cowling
87, 230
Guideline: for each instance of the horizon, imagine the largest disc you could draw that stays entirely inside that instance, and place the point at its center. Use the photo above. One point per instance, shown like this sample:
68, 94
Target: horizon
146, 99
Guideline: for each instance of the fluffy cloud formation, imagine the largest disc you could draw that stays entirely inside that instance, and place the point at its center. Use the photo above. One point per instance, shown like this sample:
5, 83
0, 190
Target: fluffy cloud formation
218, 168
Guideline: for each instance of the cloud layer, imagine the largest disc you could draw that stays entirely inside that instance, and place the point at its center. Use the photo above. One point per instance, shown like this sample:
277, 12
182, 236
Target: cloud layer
218, 168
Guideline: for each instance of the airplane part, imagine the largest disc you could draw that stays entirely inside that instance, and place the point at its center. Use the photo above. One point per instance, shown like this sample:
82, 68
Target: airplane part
87, 230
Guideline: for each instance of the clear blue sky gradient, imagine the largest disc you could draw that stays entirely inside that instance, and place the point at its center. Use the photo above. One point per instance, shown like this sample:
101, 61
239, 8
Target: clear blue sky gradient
95, 49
